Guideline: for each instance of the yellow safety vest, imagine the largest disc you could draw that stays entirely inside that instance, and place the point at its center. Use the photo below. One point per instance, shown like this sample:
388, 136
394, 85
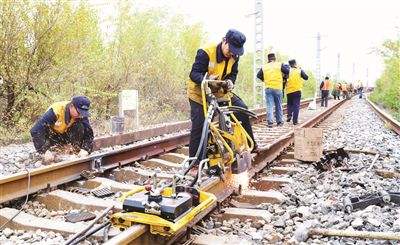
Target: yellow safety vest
60, 126
294, 82
214, 68
273, 75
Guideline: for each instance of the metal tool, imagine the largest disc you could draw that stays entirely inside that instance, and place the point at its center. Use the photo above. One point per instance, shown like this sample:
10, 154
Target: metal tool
380, 198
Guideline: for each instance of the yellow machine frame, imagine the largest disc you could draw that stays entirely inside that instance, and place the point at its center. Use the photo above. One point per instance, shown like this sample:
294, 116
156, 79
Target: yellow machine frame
158, 225
239, 137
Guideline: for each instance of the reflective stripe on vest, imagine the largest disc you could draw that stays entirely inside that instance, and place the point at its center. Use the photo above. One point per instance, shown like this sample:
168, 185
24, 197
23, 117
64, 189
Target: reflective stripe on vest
295, 82
60, 126
214, 68
327, 85
273, 75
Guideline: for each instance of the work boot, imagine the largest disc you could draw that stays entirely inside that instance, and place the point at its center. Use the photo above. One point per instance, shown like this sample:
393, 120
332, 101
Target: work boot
280, 124
288, 119
270, 125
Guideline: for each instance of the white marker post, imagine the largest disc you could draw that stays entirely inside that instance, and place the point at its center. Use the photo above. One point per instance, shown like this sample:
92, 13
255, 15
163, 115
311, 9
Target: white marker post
128, 107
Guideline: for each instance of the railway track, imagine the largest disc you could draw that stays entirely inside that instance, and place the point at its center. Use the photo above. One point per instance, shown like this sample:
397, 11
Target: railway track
121, 172
255, 216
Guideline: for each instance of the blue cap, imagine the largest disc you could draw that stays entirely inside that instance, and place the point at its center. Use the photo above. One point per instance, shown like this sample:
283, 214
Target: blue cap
82, 104
236, 39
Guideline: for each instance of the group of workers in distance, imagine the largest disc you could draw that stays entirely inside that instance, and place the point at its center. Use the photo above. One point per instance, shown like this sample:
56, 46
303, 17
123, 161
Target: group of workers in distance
67, 122
346, 90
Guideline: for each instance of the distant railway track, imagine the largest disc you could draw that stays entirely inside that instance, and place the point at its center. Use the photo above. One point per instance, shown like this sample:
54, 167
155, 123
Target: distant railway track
388, 119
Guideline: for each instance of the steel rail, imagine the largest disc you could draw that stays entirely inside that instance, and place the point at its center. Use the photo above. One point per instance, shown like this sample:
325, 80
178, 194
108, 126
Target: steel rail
67, 171
219, 188
12, 186
157, 130
385, 117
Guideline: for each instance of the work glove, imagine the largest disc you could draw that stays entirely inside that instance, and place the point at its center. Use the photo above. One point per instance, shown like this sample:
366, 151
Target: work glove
83, 153
48, 157
229, 85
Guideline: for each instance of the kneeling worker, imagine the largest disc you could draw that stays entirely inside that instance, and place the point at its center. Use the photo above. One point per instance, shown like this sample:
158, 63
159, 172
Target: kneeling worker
220, 61
64, 123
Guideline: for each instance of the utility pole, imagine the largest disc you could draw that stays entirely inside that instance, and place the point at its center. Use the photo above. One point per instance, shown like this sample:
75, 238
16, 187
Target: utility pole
353, 76
318, 62
313, 104
258, 60
366, 80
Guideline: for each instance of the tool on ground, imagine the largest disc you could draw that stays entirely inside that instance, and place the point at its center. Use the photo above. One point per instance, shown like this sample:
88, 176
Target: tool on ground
78, 217
72, 239
332, 159
301, 235
381, 198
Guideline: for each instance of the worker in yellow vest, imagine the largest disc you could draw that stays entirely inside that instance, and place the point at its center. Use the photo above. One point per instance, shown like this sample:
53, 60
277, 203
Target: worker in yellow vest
220, 61
293, 91
272, 75
65, 122
325, 87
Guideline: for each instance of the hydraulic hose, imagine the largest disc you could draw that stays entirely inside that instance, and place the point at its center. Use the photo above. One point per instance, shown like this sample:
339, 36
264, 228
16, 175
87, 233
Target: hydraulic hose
203, 139
241, 110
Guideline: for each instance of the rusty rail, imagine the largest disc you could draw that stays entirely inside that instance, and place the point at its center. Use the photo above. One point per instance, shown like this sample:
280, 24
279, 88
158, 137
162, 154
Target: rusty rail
158, 130
12, 186
385, 117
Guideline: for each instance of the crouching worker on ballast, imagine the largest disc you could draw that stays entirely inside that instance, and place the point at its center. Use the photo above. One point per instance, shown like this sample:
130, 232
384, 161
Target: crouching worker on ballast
65, 122
219, 62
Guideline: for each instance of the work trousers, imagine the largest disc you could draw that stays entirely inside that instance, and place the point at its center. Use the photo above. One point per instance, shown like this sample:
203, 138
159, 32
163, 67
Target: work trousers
293, 106
274, 101
197, 118
336, 94
324, 100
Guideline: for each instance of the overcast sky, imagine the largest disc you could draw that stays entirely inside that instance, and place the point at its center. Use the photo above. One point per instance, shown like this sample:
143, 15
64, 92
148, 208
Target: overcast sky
352, 28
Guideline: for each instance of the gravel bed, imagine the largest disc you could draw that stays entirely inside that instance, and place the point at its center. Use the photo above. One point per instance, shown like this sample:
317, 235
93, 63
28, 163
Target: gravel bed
9, 236
315, 199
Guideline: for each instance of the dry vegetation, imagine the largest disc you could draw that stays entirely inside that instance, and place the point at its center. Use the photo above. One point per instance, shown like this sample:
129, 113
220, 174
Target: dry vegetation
52, 50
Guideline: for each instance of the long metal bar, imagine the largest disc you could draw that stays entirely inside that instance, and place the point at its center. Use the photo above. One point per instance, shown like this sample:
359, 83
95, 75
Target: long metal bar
64, 172
388, 119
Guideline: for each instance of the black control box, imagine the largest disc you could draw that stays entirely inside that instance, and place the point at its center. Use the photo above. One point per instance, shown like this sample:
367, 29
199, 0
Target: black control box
171, 208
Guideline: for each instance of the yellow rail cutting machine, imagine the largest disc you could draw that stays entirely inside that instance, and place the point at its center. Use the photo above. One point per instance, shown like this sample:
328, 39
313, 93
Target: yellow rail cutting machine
224, 146
228, 144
